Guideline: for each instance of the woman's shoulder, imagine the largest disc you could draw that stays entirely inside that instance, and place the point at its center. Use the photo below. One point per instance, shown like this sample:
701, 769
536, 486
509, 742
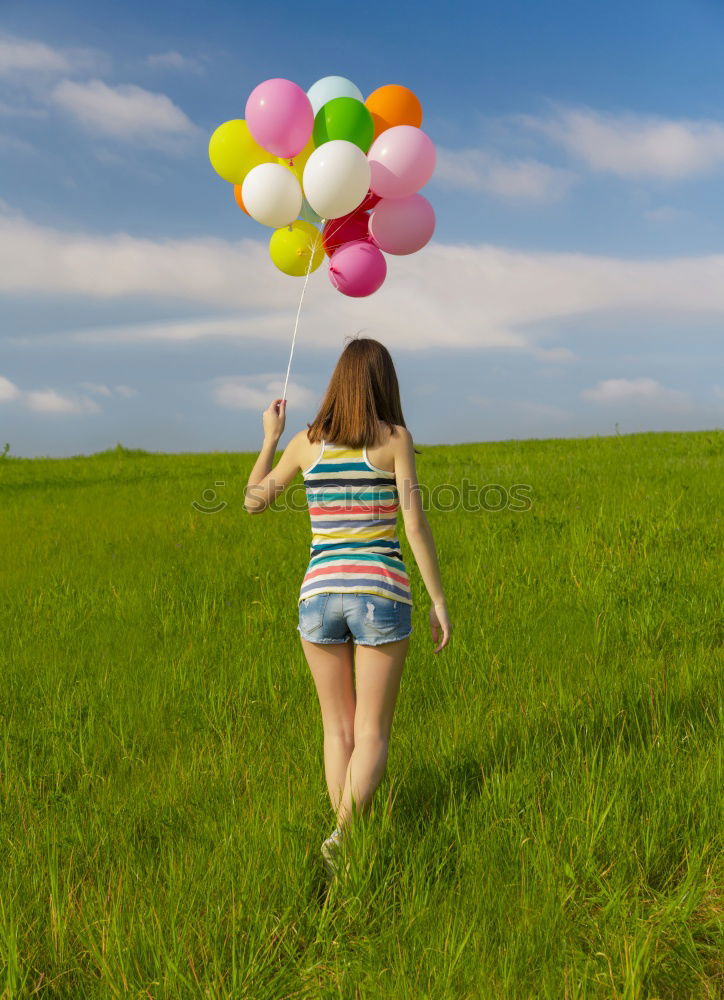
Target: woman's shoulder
398, 435
302, 435
305, 451
394, 444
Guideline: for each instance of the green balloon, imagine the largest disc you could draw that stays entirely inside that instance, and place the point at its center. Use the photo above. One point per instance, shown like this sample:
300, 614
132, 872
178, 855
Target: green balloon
344, 118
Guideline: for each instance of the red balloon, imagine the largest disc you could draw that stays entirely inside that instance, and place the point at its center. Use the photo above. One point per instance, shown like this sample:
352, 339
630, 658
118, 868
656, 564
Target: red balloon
369, 202
347, 229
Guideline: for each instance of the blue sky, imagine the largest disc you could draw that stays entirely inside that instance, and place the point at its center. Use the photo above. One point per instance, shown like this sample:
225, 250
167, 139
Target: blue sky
575, 281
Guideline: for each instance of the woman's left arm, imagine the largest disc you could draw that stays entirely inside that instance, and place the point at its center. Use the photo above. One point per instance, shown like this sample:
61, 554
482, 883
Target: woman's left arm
265, 484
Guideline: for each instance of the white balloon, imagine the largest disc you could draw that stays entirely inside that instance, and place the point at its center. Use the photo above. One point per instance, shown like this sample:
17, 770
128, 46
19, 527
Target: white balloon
272, 195
330, 87
336, 178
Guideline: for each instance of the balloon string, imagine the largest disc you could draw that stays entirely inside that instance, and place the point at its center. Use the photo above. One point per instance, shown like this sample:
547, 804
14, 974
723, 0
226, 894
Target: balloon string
332, 232
335, 229
299, 308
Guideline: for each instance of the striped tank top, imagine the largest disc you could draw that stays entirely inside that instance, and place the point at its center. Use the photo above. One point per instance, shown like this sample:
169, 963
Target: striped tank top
353, 511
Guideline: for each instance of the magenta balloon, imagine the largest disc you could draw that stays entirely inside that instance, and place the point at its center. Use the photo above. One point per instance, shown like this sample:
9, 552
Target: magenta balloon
402, 225
357, 269
279, 116
402, 160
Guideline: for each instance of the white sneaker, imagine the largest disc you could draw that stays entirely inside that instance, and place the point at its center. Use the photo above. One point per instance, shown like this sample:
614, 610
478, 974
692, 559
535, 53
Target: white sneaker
331, 851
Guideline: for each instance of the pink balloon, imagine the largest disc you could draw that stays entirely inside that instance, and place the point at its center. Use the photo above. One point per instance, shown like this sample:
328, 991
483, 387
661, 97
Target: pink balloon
357, 269
402, 160
402, 225
279, 116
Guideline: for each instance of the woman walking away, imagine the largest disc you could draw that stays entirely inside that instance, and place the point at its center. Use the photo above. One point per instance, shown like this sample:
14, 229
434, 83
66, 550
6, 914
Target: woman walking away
358, 463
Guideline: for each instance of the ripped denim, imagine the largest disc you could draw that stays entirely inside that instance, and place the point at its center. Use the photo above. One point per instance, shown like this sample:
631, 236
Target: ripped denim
367, 619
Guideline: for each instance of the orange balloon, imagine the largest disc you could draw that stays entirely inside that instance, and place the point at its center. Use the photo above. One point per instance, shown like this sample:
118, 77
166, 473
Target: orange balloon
239, 201
392, 105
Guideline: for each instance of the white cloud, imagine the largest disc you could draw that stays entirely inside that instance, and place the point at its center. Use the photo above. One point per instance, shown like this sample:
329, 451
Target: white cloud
125, 112
477, 170
101, 389
450, 296
632, 145
50, 401
637, 390
174, 60
28, 57
554, 354
24, 54
12, 144
668, 215
274, 325
254, 392
98, 388
8, 390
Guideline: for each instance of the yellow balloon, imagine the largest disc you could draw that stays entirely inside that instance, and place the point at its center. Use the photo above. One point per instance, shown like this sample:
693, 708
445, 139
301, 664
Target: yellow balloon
299, 161
234, 152
290, 248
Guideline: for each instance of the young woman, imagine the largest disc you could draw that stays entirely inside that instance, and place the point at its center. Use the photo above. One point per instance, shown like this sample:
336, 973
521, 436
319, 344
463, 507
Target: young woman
358, 463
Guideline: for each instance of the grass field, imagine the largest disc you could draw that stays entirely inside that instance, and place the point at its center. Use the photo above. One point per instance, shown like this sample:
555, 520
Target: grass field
550, 822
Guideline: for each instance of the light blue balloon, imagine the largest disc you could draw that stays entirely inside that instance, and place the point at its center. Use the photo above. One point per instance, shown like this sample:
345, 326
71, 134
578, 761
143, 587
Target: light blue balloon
308, 214
330, 87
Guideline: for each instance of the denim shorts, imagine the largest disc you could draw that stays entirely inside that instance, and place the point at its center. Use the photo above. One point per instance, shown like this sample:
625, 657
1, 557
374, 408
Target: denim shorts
365, 618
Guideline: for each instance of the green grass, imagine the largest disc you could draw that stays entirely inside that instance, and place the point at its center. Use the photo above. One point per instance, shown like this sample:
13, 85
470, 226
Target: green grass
550, 822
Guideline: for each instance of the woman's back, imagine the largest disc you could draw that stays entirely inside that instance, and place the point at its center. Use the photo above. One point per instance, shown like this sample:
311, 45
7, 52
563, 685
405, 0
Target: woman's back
380, 454
353, 508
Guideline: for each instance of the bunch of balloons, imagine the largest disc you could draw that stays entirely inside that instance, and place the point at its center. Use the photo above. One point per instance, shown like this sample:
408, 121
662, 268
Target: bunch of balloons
332, 174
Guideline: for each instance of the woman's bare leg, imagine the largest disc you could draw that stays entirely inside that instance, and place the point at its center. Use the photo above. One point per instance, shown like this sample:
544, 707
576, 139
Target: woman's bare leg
332, 667
378, 676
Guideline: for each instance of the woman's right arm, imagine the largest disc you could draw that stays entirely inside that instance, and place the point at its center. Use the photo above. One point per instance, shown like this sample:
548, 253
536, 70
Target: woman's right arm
419, 535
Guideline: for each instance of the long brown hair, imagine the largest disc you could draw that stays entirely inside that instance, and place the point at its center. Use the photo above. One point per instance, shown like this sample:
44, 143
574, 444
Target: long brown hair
363, 390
